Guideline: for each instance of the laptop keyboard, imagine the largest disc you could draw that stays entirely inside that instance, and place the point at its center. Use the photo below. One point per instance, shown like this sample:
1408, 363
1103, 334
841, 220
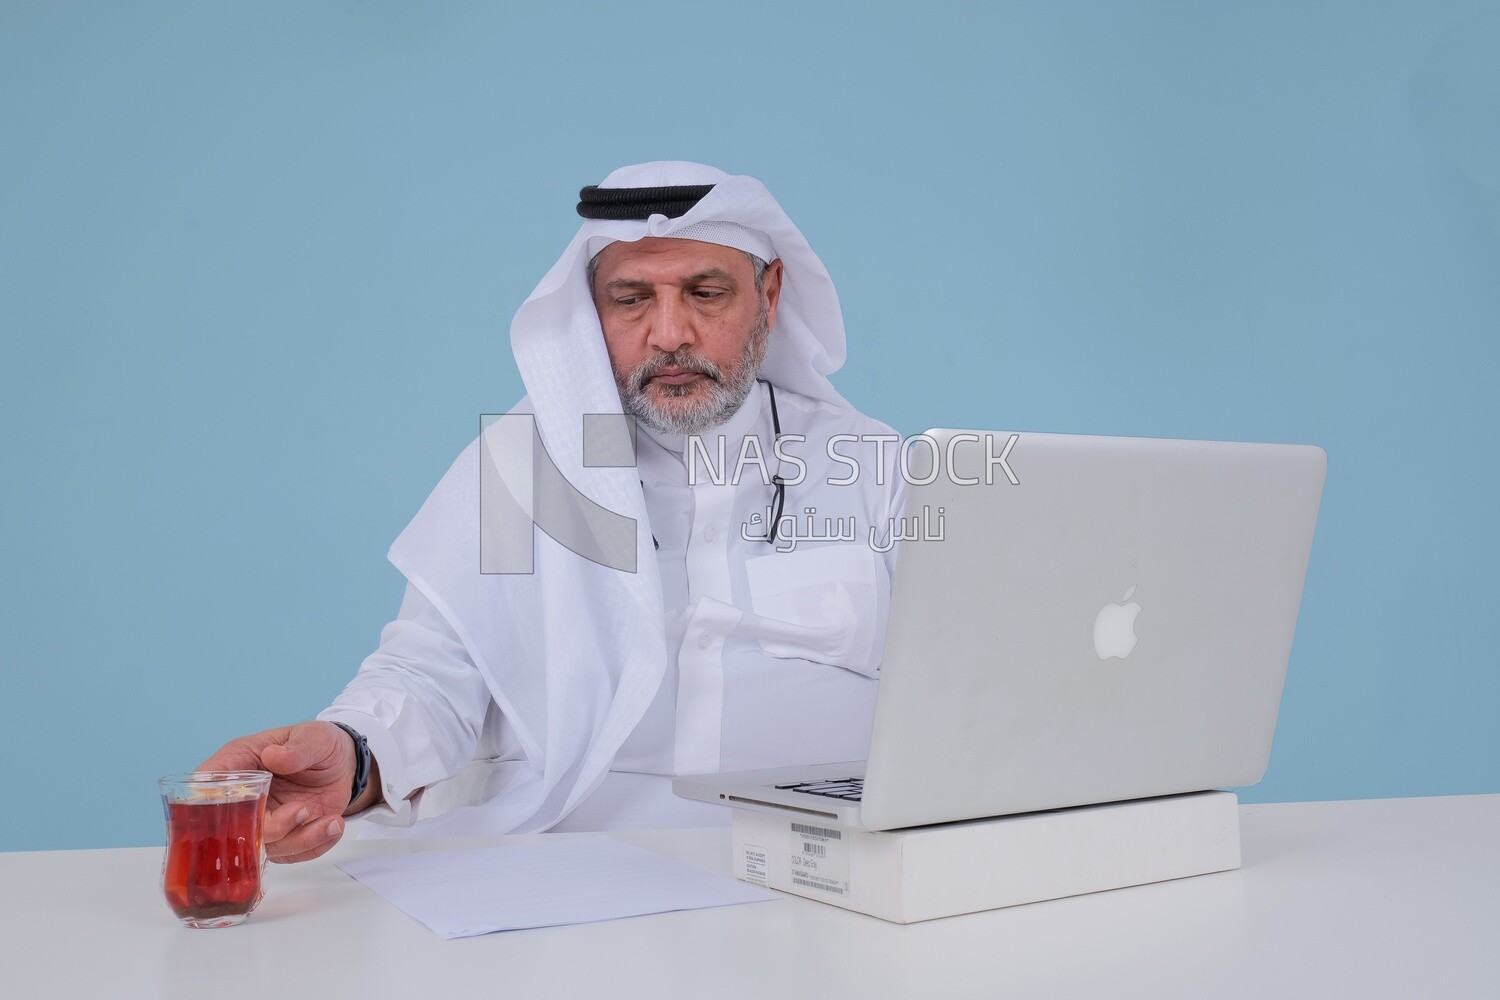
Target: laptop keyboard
848, 789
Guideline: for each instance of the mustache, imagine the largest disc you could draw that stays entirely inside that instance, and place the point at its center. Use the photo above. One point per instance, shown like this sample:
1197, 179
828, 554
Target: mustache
658, 363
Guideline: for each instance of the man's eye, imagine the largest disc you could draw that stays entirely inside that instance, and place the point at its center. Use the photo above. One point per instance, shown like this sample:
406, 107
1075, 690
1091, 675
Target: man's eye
707, 293
629, 300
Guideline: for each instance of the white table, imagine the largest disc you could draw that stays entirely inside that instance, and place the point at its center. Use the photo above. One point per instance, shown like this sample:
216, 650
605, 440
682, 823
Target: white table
1375, 898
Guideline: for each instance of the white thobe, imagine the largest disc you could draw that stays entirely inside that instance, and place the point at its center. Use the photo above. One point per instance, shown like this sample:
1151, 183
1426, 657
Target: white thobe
773, 648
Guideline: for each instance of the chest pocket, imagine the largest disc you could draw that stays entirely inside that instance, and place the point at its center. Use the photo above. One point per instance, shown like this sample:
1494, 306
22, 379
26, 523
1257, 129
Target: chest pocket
820, 604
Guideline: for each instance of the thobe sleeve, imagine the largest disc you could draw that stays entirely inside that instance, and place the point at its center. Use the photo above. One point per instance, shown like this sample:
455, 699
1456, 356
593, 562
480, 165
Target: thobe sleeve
419, 701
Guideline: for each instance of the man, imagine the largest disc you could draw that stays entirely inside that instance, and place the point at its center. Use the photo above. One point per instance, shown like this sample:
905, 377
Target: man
738, 624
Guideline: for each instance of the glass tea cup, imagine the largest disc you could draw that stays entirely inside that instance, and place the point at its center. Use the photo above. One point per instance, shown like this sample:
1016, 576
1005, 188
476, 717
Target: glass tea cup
211, 873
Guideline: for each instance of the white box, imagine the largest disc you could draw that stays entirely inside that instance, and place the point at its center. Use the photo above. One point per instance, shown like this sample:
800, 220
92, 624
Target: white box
938, 871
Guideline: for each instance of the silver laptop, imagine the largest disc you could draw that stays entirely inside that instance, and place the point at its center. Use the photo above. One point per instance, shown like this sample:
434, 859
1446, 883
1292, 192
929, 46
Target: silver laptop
1095, 619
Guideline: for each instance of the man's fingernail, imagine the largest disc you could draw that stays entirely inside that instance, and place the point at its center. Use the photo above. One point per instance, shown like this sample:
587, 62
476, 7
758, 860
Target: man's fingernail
333, 828
302, 815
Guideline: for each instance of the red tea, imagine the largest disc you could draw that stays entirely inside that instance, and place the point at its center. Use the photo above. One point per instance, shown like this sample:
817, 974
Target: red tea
213, 858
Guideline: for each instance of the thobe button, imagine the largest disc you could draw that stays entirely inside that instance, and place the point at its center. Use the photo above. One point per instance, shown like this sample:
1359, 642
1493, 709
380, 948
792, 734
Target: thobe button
705, 640
711, 535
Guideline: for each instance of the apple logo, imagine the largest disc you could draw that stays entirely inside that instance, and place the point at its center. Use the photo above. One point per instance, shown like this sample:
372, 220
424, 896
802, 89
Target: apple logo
1114, 629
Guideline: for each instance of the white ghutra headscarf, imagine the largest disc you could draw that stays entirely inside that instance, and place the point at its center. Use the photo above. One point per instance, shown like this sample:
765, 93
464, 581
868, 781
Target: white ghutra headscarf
574, 653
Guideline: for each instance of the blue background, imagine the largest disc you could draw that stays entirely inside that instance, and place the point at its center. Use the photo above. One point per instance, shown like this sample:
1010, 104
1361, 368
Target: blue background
258, 261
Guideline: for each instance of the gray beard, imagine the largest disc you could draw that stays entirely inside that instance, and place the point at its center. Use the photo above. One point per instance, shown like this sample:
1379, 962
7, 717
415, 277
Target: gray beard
720, 401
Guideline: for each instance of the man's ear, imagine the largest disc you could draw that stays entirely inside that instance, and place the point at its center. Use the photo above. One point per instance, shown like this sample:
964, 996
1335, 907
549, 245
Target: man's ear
771, 289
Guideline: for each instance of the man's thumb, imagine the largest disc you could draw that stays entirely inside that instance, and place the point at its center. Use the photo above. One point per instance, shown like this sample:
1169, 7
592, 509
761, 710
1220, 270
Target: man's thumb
304, 747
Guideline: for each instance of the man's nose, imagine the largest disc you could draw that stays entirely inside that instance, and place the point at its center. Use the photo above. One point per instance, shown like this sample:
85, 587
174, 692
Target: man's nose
671, 326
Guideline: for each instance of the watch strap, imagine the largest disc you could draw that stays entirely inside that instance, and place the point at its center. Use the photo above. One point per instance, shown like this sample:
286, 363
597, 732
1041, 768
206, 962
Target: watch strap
361, 761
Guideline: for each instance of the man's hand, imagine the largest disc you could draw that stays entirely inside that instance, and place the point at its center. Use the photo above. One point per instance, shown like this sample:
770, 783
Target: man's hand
312, 764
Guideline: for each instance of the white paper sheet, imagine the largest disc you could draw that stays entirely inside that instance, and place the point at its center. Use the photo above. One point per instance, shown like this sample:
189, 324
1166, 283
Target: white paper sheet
464, 893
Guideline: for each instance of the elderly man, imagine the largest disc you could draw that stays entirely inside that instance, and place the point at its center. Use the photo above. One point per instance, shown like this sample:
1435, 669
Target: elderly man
741, 625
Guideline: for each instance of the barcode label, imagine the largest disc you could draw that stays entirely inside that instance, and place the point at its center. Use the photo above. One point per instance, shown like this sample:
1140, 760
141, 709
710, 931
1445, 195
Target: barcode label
837, 890
819, 859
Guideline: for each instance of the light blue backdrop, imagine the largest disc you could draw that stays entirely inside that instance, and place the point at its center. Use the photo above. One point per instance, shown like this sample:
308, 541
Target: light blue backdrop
257, 264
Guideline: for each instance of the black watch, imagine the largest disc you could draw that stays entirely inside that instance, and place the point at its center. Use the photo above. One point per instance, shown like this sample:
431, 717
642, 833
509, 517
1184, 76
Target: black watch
361, 761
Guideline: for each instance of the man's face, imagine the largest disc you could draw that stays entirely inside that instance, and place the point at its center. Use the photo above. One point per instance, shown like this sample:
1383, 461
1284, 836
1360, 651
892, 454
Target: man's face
685, 328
